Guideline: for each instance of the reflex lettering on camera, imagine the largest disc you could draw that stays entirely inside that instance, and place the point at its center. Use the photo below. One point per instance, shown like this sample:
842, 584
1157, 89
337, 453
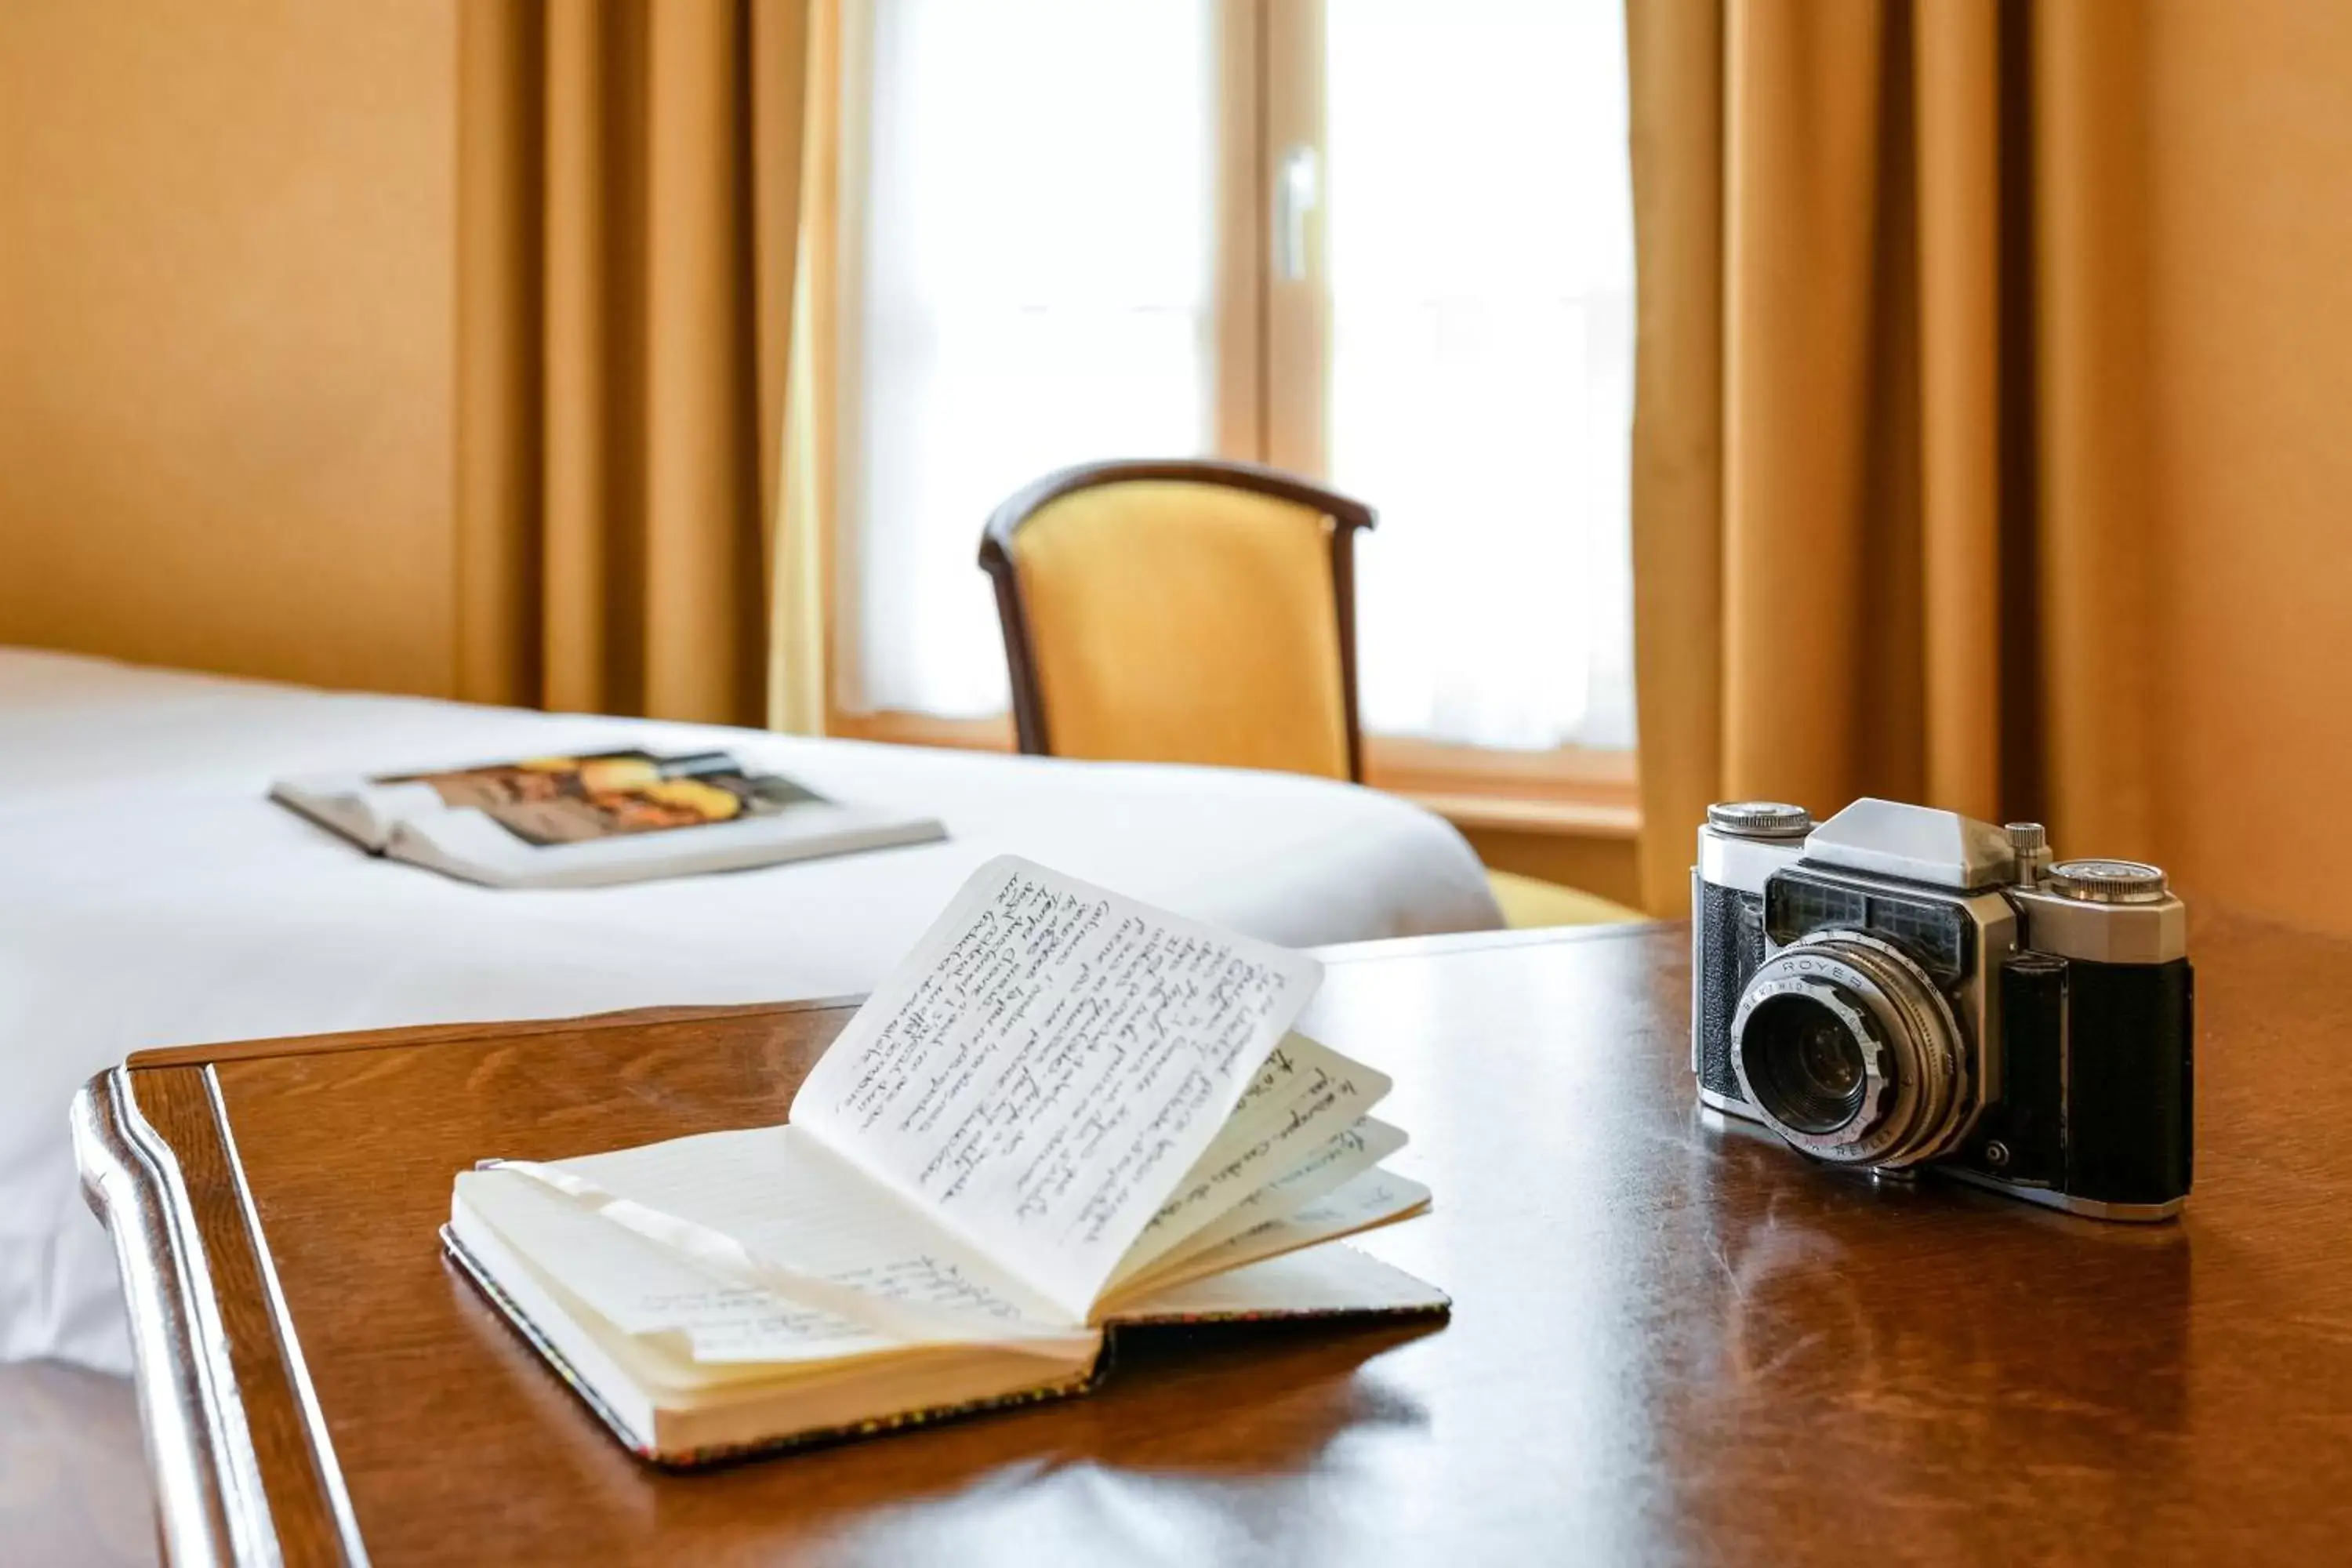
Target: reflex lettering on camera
1900, 988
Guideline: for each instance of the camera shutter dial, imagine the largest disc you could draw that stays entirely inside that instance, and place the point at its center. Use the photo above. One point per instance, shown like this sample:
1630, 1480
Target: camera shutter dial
1760, 819
2105, 882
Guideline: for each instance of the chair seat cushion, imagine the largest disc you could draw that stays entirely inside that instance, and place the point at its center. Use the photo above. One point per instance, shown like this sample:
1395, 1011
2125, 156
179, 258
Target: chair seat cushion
1528, 902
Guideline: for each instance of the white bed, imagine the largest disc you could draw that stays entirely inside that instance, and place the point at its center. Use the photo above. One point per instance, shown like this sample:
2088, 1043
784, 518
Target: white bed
150, 896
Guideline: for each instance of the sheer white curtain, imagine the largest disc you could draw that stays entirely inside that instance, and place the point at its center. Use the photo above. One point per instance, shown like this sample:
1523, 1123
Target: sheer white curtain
1036, 271
1481, 257
1032, 267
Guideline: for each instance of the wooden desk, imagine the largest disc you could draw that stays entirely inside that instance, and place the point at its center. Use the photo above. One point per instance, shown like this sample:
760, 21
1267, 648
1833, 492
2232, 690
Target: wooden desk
1671, 1340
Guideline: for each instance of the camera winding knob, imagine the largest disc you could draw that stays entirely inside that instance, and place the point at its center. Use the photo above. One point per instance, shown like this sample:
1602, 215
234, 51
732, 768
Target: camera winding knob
2107, 881
1760, 819
2029, 847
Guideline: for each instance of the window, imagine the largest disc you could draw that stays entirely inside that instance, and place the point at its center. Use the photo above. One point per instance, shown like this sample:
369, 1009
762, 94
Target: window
1385, 242
1033, 290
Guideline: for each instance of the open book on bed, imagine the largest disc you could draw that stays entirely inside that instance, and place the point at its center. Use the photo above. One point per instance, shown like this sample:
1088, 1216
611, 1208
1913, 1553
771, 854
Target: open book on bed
593, 819
1064, 1112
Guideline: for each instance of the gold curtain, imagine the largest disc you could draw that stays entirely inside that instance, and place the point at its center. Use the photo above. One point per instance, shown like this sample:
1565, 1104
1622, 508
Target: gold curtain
628, 193
1888, 506
800, 624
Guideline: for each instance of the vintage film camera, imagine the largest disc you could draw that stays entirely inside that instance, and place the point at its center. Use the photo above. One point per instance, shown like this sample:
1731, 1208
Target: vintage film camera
1899, 988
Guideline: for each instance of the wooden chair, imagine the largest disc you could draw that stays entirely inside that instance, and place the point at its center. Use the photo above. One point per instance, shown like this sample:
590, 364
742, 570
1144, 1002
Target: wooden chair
1181, 611
1193, 611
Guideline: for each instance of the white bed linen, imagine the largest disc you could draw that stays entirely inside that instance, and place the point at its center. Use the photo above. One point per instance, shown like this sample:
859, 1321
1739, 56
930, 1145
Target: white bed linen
151, 896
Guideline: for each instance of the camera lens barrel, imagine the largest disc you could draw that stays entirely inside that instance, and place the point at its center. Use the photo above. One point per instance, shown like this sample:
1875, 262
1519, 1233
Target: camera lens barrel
1848, 1051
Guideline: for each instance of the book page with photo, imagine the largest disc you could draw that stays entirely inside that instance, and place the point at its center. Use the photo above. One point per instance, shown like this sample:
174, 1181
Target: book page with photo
564, 800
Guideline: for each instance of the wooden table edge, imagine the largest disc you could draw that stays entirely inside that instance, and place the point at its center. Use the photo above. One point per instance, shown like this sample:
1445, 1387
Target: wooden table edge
446, 1033
197, 1404
1446, 945
1443, 944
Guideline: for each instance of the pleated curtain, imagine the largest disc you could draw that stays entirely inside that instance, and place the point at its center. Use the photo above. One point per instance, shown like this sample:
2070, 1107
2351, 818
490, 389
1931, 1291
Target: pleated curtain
629, 193
1889, 499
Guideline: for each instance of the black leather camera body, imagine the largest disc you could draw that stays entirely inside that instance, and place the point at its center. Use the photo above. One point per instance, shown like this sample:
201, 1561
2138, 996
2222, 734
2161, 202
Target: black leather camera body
1899, 988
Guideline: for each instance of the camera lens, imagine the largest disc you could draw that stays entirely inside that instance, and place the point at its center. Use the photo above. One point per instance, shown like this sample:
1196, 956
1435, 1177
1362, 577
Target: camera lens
1845, 1048
1807, 1066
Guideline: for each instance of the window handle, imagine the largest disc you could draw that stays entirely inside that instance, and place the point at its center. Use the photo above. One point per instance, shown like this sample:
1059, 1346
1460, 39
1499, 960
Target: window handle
1295, 192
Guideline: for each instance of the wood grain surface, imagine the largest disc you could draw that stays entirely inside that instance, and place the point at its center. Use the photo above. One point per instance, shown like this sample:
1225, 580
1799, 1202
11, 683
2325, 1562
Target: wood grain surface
1673, 1339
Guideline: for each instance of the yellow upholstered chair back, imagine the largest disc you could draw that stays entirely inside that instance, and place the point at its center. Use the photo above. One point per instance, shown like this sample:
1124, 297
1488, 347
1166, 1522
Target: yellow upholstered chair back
1185, 612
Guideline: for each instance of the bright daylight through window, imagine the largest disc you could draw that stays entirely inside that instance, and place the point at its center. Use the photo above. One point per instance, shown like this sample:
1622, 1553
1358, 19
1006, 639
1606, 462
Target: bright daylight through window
1016, 298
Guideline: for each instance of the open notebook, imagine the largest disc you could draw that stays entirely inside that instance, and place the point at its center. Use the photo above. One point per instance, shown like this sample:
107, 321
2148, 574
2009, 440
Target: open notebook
1064, 1112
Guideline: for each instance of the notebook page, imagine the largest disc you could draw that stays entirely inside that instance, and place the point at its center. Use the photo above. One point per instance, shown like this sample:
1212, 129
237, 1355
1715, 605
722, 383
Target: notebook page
643, 1288
772, 1206
1302, 1095
1334, 1164
1333, 1278
1377, 1197
1047, 1063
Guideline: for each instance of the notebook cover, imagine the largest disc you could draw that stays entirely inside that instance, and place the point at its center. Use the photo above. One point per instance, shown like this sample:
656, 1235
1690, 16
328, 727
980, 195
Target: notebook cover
698, 1458
878, 1426
1279, 1315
